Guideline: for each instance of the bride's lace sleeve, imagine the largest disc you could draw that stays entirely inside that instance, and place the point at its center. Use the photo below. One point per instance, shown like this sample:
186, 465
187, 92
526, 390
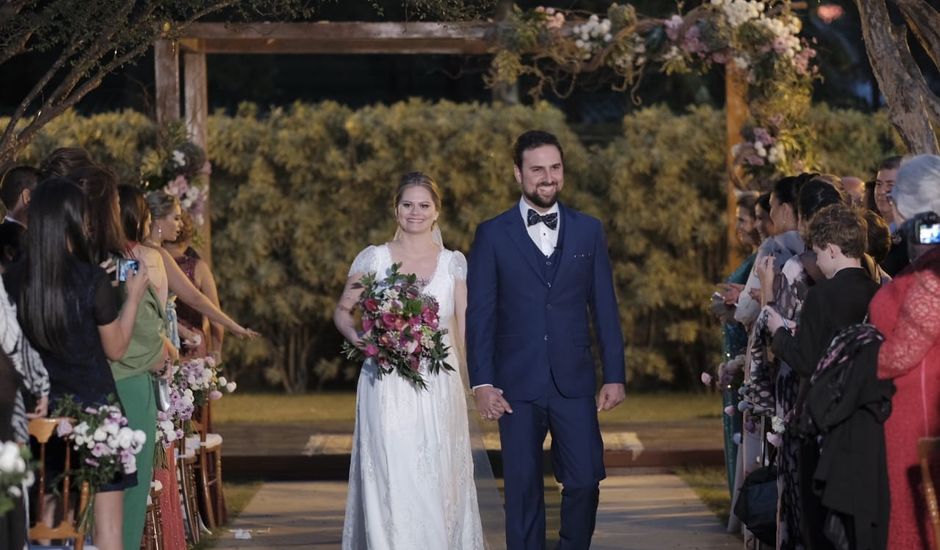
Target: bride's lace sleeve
458, 266
364, 262
917, 329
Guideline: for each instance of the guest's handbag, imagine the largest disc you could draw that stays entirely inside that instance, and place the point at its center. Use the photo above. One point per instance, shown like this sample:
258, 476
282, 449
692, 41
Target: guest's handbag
161, 390
757, 504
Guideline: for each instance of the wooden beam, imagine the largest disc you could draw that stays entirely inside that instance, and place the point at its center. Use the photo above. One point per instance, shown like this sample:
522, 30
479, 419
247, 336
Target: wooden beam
468, 38
195, 86
736, 112
167, 75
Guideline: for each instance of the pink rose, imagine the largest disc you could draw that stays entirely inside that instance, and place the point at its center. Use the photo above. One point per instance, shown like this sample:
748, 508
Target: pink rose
214, 395
371, 304
389, 319
730, 410
367, 324
371, 350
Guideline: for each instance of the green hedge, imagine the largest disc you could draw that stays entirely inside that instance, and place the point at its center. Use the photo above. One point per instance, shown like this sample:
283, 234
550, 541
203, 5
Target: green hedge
298, 192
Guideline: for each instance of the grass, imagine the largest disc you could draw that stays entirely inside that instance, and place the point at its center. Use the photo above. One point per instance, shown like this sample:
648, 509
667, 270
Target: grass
711, 485
237, 497
267, 408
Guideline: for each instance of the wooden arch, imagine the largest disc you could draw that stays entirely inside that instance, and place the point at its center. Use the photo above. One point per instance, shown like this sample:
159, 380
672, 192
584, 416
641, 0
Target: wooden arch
454, 38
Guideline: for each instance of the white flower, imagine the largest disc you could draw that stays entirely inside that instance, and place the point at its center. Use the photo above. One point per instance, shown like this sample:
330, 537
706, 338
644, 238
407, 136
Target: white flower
15, 491
759, 149
741, 62
125, 439
10, 457
179, 158
775, 155
100, 435
230, 387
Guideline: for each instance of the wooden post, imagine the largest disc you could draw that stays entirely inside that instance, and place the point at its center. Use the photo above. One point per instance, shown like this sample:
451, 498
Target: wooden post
736, 113
167, 69
197, 118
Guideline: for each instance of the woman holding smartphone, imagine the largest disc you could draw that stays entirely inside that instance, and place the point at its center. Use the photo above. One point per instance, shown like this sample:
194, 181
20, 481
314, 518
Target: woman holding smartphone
148, 347
69, 312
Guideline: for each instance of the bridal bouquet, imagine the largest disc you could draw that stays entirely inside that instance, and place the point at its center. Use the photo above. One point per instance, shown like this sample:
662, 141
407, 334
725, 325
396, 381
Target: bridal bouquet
400, 328
14, 474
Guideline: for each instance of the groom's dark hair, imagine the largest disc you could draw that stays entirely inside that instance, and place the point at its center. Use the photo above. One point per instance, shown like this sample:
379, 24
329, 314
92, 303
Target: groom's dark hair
531, 140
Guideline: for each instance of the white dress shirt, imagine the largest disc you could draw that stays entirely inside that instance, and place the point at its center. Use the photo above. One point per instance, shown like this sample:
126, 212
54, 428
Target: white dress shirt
543, 237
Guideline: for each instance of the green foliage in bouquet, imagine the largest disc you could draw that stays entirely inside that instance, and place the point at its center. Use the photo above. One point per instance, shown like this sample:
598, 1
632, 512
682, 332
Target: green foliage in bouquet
400, 327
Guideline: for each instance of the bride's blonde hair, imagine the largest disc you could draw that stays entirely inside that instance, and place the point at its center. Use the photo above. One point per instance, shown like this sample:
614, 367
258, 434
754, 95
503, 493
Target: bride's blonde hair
418, 179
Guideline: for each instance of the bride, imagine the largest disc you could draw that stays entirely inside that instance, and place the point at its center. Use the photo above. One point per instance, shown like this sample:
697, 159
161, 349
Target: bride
411, 478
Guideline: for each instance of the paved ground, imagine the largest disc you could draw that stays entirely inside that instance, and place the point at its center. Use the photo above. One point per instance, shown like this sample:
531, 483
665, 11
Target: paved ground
637, 512
306, 438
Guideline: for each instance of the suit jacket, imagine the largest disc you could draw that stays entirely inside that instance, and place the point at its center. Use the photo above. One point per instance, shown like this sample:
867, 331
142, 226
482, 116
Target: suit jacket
522, 330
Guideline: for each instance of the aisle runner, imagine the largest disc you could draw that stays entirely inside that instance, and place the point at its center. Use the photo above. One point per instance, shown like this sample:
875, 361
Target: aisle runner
337, 444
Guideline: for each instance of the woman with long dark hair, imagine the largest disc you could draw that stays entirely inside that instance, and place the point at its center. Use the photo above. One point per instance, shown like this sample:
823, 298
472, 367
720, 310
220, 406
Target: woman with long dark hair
69, 312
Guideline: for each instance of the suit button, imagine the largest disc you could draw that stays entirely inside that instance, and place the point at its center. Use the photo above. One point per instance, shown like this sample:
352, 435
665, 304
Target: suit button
546, 338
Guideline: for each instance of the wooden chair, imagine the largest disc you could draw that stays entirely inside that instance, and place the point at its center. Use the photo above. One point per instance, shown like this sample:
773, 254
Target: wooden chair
43, 429
153, 531
186, 463
927, 447
210, 470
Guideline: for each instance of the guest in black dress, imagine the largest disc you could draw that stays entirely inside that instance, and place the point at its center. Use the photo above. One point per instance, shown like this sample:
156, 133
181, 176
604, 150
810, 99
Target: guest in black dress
838, 235
68, 310
15, 189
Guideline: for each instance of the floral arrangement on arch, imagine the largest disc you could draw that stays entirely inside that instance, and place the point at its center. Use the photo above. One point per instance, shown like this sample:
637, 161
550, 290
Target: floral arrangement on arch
179, 167
759, 40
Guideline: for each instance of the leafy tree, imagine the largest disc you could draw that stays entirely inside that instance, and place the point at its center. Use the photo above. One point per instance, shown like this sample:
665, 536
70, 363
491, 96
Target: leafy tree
299, 192
914, 108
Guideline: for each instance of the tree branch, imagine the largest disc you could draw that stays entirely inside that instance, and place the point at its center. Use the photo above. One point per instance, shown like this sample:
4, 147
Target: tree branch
891, 61
924, 22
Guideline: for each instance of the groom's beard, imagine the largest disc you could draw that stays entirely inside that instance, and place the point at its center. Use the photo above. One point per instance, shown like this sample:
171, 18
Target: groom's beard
539, 200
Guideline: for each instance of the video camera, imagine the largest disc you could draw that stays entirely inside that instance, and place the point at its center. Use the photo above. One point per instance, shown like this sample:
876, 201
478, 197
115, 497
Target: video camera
924, 229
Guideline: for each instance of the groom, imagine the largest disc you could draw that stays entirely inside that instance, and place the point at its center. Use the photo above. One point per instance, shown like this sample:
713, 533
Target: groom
535, 272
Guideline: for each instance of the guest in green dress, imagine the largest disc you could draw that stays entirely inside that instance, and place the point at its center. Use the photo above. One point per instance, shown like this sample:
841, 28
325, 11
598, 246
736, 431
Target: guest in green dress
146, 351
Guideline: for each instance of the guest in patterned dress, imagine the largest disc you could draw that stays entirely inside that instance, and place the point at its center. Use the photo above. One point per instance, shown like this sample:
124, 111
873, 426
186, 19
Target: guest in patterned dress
907, 312
786, 293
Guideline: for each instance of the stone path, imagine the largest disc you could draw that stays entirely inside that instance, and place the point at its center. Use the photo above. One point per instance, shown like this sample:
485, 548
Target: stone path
637, 512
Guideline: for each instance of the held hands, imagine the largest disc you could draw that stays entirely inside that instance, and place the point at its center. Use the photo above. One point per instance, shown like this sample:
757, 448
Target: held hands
490, 402
610, 396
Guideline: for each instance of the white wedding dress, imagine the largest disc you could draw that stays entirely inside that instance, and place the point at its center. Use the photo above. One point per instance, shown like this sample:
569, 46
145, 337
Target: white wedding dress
411, 483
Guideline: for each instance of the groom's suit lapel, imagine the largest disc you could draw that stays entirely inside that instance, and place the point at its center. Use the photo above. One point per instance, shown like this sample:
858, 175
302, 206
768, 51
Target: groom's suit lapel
519, 235
565, 240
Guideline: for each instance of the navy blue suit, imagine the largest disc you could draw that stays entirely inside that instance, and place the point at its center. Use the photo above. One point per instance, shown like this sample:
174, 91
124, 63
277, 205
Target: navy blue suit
528, 333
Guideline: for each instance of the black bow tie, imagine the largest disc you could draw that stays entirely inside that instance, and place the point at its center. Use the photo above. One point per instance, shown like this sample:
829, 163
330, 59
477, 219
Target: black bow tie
550, 220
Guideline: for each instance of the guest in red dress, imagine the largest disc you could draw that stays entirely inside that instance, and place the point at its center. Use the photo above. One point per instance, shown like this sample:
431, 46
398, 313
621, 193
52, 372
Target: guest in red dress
907, 312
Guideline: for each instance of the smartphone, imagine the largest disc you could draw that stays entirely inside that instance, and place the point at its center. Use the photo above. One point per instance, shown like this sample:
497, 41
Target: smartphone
124, 266
928, 233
